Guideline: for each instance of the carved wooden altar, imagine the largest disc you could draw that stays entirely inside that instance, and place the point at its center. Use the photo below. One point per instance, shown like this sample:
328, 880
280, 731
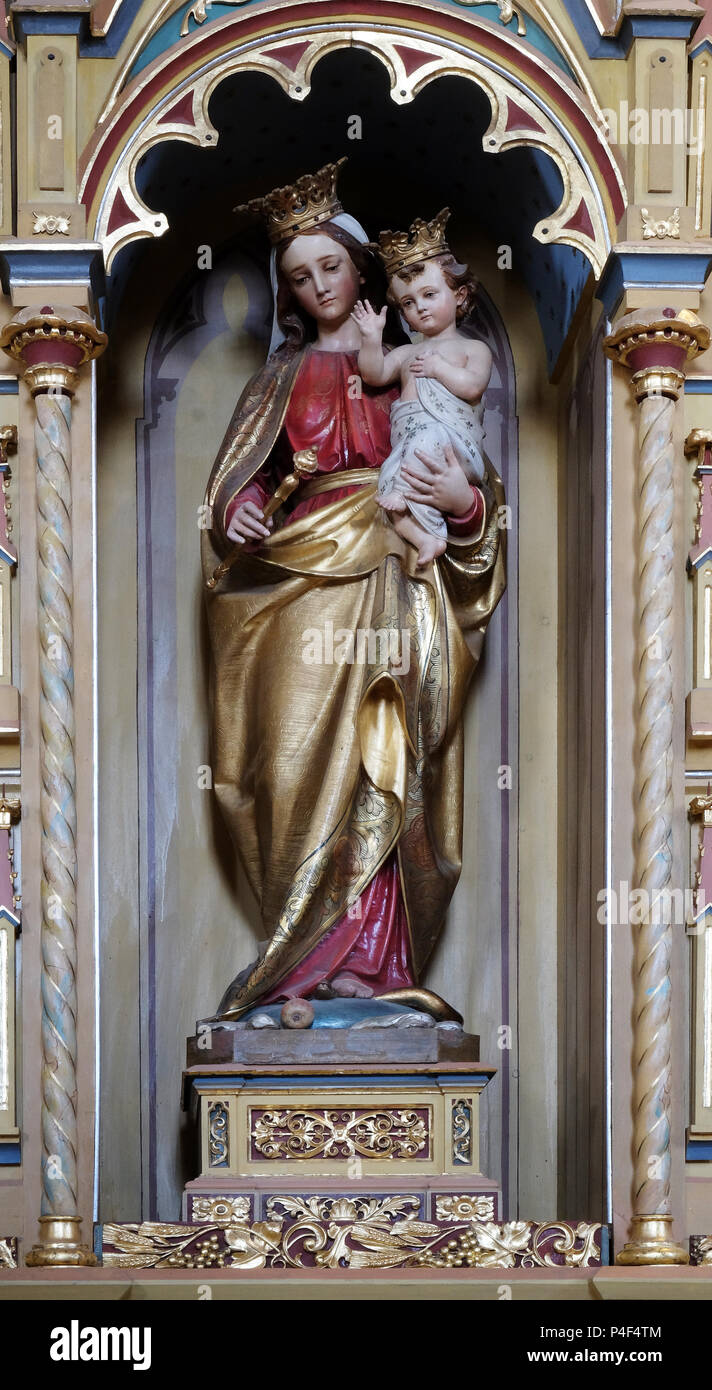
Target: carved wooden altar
133, 307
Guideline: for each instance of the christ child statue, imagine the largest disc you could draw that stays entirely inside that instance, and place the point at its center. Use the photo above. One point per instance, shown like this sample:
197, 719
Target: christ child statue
442, 378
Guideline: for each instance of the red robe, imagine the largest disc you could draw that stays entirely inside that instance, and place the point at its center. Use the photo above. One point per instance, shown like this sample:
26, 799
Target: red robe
350, 428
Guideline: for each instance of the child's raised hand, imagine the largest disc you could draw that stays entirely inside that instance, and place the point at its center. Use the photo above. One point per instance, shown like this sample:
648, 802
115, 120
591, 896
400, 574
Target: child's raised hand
369, 323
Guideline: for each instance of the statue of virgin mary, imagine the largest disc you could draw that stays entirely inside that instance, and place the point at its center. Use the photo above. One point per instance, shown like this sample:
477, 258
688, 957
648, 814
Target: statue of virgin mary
338, 766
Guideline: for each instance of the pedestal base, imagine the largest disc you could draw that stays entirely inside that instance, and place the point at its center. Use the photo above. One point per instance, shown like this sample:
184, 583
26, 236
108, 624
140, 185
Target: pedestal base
344, 1119
328, 1151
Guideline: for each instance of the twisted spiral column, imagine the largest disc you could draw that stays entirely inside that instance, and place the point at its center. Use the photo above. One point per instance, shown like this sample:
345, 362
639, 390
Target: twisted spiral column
52, 344
656, 344
57, 804
654, 806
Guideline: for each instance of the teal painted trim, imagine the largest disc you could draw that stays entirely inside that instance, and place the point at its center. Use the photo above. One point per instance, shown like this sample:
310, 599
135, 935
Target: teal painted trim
169, 33
535, 35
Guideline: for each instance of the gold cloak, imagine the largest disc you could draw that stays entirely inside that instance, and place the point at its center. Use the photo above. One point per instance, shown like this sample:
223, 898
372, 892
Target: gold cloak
325, 761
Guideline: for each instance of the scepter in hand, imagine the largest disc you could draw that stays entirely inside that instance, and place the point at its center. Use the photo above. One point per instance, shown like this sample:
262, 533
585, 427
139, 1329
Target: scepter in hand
304, 463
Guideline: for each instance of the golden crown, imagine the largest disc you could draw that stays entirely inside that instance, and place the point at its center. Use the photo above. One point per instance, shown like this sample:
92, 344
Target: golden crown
421, 242
299, 206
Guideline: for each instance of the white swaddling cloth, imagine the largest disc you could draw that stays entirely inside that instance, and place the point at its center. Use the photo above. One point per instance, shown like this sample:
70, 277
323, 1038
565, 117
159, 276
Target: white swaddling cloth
437, 418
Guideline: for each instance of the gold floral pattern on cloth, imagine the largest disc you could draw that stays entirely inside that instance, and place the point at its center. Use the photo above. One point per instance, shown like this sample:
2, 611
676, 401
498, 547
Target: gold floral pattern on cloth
344, 865
375, 1243
464, 1208
306, 1134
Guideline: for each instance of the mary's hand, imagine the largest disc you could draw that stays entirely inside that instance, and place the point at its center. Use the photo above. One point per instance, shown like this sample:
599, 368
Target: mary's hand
247, 524
438, 482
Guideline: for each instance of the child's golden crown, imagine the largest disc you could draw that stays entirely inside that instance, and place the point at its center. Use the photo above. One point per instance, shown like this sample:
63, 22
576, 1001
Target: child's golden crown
421, 242
299, 206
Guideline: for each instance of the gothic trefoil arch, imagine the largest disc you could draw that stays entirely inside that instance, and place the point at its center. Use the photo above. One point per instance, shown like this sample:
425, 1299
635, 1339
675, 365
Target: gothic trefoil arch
532, 104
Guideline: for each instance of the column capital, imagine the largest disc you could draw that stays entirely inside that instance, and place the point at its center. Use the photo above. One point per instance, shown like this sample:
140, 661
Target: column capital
52, 343
656, 345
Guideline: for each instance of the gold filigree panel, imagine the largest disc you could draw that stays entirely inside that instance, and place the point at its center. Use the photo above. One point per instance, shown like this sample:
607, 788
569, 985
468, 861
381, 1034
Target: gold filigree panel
319, 1131
306, 1134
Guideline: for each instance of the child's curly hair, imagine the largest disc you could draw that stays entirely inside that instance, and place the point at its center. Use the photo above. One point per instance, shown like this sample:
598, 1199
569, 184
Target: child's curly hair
456, 275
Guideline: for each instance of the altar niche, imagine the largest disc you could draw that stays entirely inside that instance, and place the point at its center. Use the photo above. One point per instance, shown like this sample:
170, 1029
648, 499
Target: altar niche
188, 330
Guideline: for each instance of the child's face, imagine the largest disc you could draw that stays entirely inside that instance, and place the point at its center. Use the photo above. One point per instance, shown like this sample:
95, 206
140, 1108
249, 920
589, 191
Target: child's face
427, 303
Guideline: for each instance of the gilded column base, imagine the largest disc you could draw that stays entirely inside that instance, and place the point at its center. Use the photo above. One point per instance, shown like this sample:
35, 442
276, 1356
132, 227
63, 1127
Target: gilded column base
60, 1244
651, 1243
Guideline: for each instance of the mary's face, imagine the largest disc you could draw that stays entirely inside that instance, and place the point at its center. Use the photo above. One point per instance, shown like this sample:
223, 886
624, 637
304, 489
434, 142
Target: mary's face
322, 277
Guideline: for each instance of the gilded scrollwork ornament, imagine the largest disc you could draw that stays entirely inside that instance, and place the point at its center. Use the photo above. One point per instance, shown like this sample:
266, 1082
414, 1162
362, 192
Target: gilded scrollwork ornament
375, 1243
200, 9
309, 1134
218, 1127
461, 1132
352, 1208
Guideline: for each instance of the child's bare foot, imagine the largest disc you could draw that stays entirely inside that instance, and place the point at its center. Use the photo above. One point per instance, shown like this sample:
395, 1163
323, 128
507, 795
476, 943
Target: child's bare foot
348, 986
427, 545
429, 548
392, 502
